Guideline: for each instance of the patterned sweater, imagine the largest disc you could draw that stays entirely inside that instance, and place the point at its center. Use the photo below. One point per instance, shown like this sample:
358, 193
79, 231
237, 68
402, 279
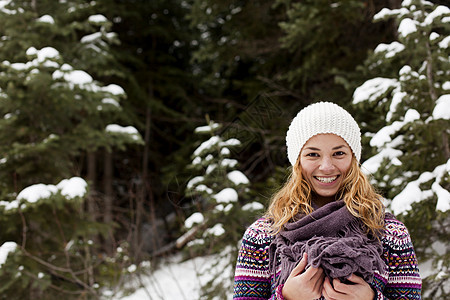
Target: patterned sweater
401, 280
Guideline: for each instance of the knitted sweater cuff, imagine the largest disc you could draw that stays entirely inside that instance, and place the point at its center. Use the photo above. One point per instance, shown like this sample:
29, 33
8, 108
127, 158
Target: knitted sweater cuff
278, 292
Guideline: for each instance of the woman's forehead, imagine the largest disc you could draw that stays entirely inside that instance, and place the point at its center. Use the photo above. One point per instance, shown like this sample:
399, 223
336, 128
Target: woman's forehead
326, 140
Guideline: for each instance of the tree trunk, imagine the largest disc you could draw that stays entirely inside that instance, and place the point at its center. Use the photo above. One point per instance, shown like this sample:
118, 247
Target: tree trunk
108, 189
92, 178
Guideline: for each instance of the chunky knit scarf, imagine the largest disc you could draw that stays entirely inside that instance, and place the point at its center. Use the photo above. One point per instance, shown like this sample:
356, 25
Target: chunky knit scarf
334, 240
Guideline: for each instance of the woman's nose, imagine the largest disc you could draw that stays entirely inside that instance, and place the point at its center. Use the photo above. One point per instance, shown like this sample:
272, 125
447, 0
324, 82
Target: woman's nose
326, 164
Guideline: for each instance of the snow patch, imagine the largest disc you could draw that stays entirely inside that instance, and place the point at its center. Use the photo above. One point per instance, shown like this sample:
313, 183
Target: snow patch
237, 177
383, 136
111, 101
114, 89
208, 128
397, 98
373, 89
46, 19
73, 187
444, 43
438, 12
371, 165
5, 249
74, 77
210, 168
35, 192
44, 57
212, 141
226, 195
129, 130
225, 151
69, 188
176, 279
434, 36
442, 108
391, 49
203, 188
216, 230
230, 142
197, 160
3, 4
413, 193
97, 19
91, 38
252, 206
228, 162
223, 208
386, 12
406, 27
194, 181
195, 218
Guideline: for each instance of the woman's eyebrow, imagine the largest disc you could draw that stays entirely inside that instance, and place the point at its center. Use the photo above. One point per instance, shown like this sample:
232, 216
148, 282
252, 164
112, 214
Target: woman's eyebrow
339, 147
312, 148
334, 148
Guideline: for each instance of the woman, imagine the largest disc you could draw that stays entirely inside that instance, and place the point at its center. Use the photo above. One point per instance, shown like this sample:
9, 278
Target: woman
325, 234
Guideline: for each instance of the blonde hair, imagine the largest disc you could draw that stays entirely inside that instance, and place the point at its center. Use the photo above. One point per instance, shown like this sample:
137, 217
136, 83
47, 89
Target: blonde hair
358, 194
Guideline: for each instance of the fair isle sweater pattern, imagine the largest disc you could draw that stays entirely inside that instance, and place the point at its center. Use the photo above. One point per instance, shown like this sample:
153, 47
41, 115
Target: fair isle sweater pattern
401, 280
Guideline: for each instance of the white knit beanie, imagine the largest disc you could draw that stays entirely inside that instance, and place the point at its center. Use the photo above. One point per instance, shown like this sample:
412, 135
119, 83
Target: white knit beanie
322, 117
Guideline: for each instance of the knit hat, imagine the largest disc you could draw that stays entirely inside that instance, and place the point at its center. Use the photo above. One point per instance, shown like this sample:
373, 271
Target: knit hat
322, 117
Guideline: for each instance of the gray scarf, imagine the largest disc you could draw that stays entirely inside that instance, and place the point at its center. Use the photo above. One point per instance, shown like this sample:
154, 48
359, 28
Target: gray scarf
334, 240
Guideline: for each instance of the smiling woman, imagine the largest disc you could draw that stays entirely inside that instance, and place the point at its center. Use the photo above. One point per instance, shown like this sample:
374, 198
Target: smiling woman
325, 161
326, 234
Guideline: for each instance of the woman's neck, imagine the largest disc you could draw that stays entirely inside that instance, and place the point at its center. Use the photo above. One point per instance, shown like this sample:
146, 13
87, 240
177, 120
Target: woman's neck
320, 201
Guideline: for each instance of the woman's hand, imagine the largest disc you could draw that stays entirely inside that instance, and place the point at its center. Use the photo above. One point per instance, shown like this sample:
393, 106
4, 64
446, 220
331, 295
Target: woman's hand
307, 285
359, 290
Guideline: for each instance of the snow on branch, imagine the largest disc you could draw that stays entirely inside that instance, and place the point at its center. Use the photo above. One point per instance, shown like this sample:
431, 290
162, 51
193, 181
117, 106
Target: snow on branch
5, 249
69, 188
373, 89
413, 193
127, 130
46, 19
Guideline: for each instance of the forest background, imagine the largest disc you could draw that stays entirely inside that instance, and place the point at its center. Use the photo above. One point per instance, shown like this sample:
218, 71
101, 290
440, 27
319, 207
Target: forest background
135, 130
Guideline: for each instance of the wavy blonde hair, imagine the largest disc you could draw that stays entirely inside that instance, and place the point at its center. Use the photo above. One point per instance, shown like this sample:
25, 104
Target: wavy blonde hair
358, 194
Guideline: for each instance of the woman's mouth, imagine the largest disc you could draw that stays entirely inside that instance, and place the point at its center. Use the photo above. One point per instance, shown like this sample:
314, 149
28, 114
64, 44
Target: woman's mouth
326, 179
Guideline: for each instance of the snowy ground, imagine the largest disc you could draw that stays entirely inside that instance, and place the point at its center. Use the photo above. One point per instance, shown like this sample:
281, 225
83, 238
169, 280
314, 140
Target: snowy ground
175, 280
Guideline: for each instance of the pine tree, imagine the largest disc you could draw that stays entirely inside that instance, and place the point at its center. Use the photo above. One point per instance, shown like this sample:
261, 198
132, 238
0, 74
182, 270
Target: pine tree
53, 112
219, 193
411, 147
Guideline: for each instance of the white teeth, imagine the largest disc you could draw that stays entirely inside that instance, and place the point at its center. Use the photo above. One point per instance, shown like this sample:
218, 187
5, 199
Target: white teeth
326, 179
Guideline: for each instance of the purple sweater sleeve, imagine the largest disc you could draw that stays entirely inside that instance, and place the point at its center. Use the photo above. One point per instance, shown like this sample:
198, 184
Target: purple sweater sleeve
401, 280
252, 277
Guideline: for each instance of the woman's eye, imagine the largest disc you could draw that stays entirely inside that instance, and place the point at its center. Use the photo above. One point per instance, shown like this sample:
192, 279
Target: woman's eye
339, 153
312, 154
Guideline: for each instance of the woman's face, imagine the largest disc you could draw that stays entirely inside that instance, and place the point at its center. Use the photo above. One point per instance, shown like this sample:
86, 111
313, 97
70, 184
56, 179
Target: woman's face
325, 160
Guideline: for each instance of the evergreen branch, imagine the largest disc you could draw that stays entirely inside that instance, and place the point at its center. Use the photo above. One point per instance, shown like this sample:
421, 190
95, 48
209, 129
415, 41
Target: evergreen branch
54, 286
43, 262
88, 267
24, 228
54, 269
